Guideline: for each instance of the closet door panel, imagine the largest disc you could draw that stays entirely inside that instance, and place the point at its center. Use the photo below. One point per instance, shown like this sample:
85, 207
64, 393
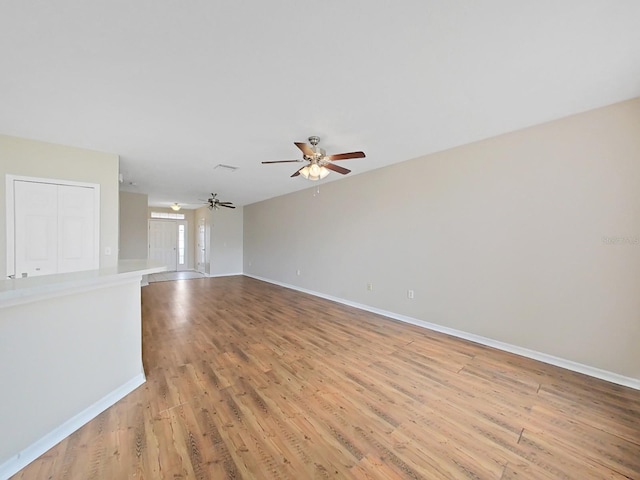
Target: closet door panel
36, 228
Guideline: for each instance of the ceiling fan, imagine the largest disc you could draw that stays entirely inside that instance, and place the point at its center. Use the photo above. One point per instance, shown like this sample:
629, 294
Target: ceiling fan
320, 163
214, 204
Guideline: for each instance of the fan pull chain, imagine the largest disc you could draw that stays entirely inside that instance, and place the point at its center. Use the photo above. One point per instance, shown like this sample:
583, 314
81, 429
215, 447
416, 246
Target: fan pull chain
317, 192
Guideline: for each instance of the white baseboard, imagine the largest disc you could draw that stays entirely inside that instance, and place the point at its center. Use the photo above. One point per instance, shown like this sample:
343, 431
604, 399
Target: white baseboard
33, 451
524, 352
215, 275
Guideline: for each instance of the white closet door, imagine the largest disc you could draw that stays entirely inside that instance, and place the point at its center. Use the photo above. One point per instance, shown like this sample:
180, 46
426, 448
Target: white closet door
76, 242
54, 228
36, 228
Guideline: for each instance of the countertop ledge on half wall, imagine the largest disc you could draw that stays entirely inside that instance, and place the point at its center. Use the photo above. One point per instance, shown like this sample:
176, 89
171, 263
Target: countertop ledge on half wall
24, 290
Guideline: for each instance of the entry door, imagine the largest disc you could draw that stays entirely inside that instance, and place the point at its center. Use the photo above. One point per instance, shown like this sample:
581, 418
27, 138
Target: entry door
54, 228
163, 243
201, 247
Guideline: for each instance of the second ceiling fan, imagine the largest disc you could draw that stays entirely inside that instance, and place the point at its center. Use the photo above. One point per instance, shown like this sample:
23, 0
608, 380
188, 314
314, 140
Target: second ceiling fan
214, 204
319, 163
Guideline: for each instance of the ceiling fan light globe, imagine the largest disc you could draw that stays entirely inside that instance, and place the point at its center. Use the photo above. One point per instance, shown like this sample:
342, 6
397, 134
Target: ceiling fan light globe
305, 172
314, 170
324, 172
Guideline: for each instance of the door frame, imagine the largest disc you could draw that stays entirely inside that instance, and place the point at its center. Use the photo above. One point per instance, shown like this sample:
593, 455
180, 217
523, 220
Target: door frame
201, 266
10, 214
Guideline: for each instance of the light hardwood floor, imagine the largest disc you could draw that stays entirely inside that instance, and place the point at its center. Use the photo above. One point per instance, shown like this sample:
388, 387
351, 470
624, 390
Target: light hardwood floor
249, 380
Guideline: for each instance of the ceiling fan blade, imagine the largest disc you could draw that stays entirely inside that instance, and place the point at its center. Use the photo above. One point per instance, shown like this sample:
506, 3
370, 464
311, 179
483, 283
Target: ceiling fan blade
297, 172
336, 168
345, 156
306, 149
225, 203
227, 206
284, 161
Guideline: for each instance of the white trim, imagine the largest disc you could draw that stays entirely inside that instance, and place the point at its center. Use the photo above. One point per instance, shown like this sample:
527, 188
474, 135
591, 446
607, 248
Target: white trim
214, 275
10, 227
10, 214
524, 352
33, 451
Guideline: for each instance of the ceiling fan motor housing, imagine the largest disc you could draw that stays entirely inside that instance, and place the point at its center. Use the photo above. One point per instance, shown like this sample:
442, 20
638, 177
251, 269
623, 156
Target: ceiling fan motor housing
318, 153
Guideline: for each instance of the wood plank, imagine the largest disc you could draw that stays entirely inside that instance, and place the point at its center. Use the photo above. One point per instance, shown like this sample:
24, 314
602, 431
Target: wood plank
250, 380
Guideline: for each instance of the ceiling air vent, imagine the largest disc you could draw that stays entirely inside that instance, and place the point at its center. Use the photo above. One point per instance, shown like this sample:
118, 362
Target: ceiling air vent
225, 168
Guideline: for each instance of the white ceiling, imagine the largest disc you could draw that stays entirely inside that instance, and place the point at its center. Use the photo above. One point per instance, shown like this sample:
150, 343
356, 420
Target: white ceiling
178, 87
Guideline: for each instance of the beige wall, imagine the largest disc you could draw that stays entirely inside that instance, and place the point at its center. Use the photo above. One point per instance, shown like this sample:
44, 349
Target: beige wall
226, 241
20, 156
530, 238
134, 228
223, 240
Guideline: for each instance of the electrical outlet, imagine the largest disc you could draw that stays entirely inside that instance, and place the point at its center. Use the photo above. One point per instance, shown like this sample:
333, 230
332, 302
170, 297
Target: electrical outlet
369, 286
410, 294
